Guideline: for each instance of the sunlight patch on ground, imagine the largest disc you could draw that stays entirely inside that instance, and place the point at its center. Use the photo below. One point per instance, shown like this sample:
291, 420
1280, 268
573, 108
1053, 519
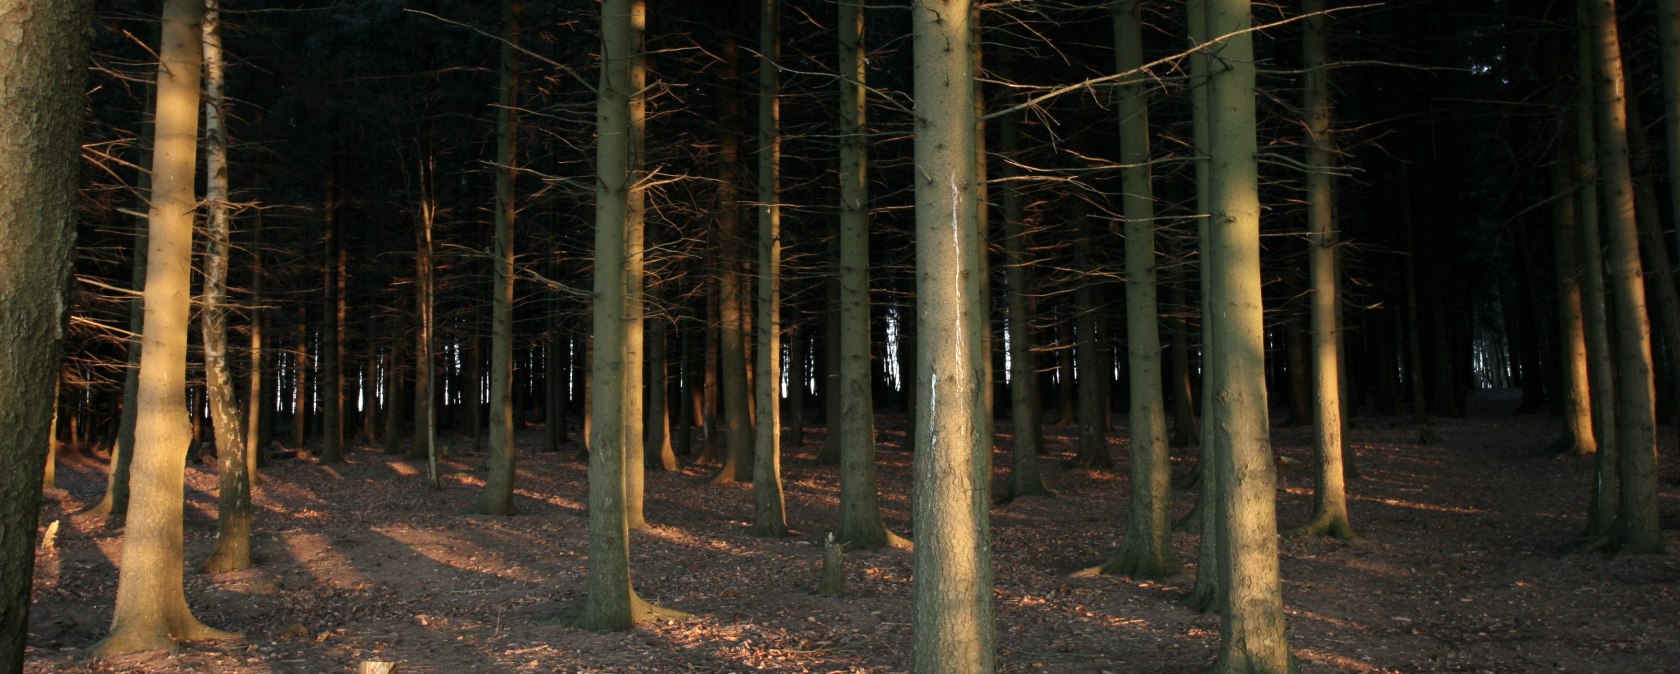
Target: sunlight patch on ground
457, 553
402, 468
1414, 505
1342, 662
320, 555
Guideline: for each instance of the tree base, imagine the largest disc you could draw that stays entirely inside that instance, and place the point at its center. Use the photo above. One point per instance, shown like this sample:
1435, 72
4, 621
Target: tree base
887, 539
226, 558
1133, 564
135, 639
641, 612
1248, 665
1333, 526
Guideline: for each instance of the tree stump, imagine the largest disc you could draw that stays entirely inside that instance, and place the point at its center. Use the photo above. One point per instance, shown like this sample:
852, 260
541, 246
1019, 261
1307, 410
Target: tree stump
833, 572
376, 667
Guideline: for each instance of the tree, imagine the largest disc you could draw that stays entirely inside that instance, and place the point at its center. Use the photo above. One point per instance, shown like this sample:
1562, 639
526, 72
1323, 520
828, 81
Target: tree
1026, 411
151, 610
1330, 515
1577, 436
732, 283
1601, 509
951, 597
497, 497
1251, 626
233, 511
860, 505
1147, 549
612, 603
331, 349
635, 279
42, 96
1636, 528
769, 506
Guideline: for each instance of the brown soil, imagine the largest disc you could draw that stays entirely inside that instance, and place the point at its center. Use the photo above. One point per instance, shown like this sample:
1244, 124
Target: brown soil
1463, 566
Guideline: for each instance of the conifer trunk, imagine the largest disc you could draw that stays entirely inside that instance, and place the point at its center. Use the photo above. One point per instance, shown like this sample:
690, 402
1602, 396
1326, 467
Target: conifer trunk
951, 596
769, 506
497, 496
42, 98
151, 607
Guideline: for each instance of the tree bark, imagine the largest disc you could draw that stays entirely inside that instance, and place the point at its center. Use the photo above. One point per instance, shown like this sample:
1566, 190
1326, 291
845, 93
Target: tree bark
233, 511
1577, 437
732, 370
42, 97
612, 603
1146, 551
151, 608
951, 596
769, 504
497, 496
854, 428
1636, 528
1251, 625
1330, 511
1026, 477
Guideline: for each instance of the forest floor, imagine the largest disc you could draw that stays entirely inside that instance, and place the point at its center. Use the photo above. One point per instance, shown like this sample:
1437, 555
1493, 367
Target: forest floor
1463, 565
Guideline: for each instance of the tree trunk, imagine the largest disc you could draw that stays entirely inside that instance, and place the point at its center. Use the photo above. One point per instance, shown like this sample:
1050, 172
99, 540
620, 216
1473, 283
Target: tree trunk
1026, 478
332, 329
1330, 512
151, 608
797, 377
732, 371
769, 504
1577, 437
635, 281
1208, 592
1595, 313
300, 384
951, 596
233, 506
1251, 625
42, 99
658, 445
854, 428
497, 496
425, 336
1147, 548
1091, 376
612, 603
1636, 529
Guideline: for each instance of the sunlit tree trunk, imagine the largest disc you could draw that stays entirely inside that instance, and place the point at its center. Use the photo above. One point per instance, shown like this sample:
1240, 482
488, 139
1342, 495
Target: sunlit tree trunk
151, 608
42, 100
951, 597
1636, 529
1601, 510
635, 280
497, 496
612, 603
860, 507
1147, 548
1251, 625
233, 511
769, 505
1577, 437
425, 335
1330, 513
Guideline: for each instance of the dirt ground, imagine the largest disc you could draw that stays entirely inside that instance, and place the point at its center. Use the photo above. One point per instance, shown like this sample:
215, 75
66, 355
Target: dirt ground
1462, 566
